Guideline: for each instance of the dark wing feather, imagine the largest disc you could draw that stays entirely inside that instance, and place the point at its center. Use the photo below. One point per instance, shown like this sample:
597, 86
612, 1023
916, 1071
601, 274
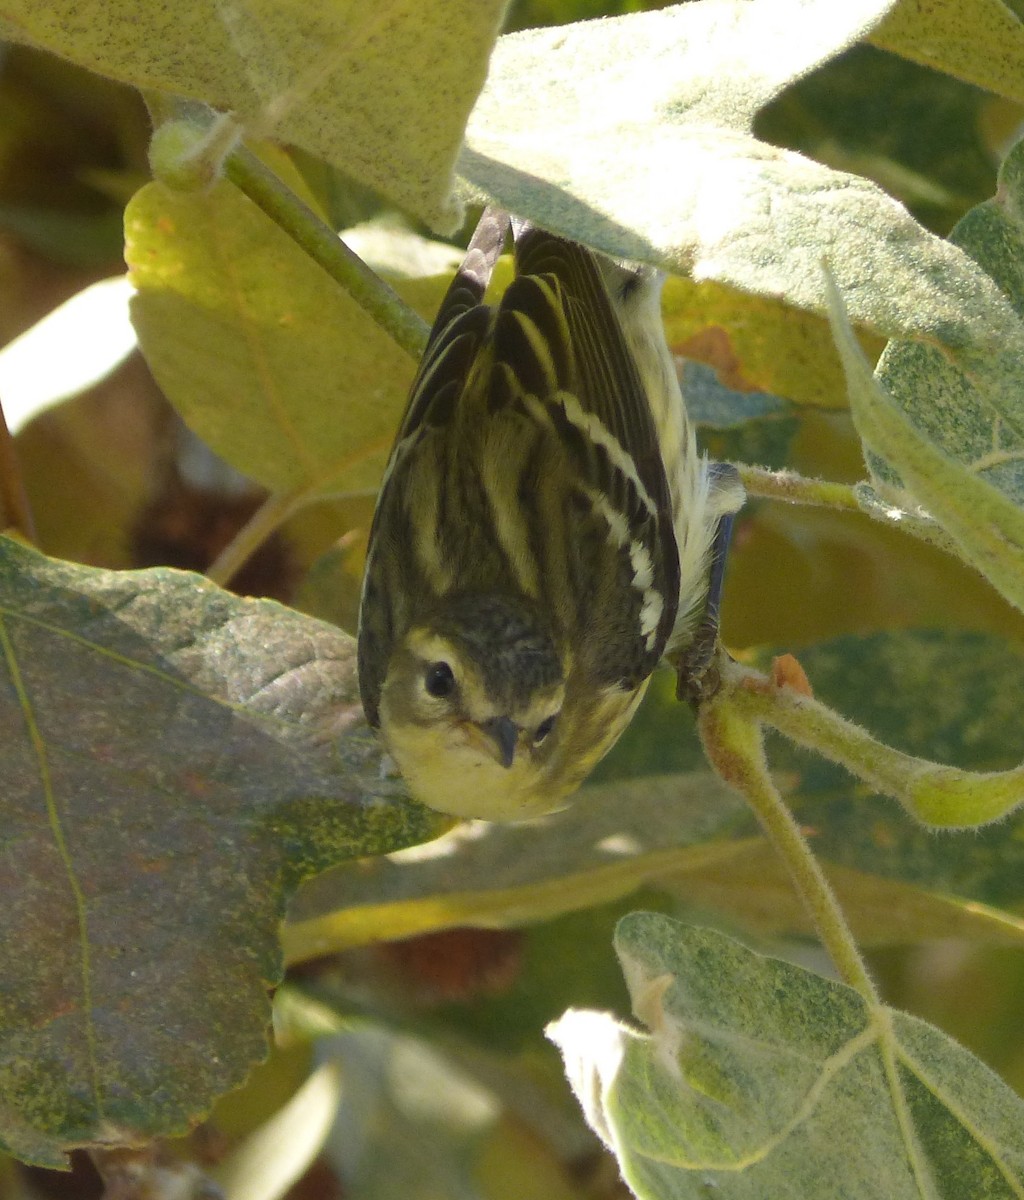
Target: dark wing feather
610, 383
461, 322
459, 330
585, 328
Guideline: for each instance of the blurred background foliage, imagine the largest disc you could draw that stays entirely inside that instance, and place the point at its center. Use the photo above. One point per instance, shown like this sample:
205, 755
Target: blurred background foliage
448, 1087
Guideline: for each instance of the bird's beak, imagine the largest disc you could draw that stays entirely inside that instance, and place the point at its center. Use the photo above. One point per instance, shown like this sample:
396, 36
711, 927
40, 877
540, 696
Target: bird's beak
505, 735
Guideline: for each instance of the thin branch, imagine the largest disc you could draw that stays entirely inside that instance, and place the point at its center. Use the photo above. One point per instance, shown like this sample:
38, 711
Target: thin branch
734, 745
934, 793
797, 489
267, 519
15, 511
406, 327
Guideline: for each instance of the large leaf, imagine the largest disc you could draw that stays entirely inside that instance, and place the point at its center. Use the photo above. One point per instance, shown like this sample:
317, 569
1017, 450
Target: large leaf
175, 760
924, 137
682, 831
382, 91
758, 1078
613, 839
651, 157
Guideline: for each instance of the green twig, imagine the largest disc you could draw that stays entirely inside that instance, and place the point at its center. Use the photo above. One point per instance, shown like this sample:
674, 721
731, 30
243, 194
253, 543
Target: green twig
734, 745
322, 244
797, 489
931, 792
267, 519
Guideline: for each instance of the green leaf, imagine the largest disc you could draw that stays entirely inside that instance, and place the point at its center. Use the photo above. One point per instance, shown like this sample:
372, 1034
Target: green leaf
382, 91
981, 41
984, 524
265, 357
758, 1078
654, 817
175, 761
606, 845
950, 428
752, 889
651, 158
972, 408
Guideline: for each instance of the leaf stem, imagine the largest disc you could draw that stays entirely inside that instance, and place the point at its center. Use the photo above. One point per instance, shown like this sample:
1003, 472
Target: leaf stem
267, 519
734, 744
797, 489
15, 510
322, 244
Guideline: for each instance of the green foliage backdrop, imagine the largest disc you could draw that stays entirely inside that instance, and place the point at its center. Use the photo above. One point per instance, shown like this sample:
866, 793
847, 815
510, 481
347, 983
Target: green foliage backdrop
193, 809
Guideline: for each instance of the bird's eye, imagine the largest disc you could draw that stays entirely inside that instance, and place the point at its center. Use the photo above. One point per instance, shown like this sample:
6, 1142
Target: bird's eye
439, 680
543, 729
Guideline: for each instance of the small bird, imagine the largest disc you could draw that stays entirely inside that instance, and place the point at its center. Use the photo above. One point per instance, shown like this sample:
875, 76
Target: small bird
545, 532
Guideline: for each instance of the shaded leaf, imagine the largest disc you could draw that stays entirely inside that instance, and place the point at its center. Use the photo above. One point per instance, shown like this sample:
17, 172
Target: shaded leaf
279, 1153
973, 410
175, 761
753, 887
652, 159
981, 41
758, 1078
799, 575
381, 91
684, 835
981, 519
415, 1123
605, 846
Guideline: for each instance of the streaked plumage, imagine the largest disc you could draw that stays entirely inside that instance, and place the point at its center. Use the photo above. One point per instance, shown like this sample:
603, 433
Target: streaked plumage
523, 575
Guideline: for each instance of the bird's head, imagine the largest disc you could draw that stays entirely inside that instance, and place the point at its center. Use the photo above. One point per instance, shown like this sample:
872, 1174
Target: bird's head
471, 709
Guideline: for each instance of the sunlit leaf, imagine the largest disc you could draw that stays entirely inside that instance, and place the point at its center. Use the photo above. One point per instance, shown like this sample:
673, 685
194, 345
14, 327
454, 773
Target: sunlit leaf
382, 91
277, 1154
652, 158
68, 351
276, 367
756, 343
